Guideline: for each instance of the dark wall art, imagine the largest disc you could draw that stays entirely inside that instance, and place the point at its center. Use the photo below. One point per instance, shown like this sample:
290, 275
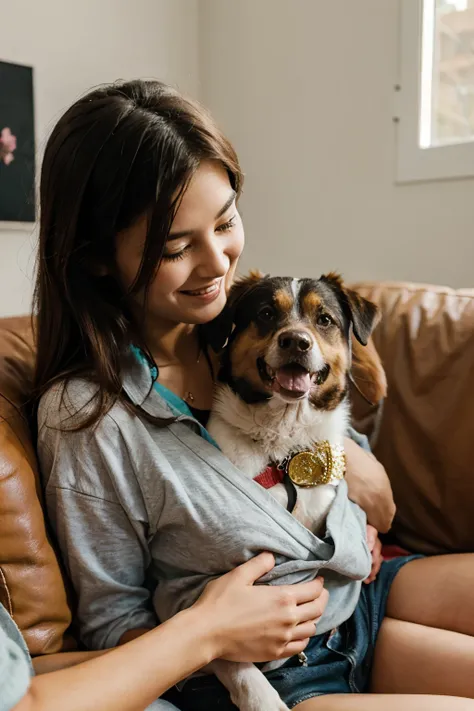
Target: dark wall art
17, 144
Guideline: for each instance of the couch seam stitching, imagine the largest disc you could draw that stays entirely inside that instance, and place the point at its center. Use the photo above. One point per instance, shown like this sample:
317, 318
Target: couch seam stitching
9, 598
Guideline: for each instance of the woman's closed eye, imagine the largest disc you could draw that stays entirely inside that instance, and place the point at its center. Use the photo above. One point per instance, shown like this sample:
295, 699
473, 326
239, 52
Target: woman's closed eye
226, 226
180, 253
172, 256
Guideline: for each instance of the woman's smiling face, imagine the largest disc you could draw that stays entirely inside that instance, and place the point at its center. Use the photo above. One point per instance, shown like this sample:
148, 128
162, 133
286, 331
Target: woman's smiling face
200, 256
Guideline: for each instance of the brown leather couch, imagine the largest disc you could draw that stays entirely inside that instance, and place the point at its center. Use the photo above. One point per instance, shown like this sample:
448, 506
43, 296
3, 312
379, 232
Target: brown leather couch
424, 437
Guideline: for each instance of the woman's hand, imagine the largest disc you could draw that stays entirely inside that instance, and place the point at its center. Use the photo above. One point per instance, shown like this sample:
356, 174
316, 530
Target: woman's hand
369, 486
255, 623
375, 547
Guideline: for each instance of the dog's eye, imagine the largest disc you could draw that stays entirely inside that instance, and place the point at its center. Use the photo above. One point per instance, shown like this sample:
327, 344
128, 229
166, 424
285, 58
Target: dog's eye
324, 320
266, 314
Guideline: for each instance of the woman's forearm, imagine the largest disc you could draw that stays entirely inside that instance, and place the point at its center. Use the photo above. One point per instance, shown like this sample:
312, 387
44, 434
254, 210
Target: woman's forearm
377, 501
133, 634
369, 486
63, 660
128, 678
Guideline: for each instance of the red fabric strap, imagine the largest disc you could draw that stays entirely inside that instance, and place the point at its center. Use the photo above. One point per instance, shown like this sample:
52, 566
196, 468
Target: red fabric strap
392, 551
271, 476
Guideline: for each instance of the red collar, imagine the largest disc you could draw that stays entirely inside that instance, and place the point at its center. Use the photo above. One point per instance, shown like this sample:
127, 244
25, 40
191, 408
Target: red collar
271, 476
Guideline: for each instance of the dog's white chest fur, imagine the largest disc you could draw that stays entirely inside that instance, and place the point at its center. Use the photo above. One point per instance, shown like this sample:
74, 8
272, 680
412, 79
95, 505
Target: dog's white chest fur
253, 436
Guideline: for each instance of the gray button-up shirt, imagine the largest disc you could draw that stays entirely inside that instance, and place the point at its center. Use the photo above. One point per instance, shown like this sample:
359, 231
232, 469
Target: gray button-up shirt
145, 516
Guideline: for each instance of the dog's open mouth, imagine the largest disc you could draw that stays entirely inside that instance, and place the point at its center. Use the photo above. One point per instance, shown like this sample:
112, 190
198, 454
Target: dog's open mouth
292, 380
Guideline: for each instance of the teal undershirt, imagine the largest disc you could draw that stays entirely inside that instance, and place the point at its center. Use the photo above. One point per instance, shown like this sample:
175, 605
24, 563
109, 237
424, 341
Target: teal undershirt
177, 404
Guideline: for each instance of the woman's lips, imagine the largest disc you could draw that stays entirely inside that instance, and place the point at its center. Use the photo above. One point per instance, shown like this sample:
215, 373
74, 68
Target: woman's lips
206, 293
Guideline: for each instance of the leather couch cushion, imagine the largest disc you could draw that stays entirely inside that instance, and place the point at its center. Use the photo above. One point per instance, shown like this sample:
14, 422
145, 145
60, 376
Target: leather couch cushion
426, 439
31, 585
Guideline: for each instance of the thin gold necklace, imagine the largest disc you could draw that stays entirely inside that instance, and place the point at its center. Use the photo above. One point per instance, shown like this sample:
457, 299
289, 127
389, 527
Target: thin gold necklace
188, 395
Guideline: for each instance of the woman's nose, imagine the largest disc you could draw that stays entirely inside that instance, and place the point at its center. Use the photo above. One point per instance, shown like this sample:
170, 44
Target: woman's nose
214, 261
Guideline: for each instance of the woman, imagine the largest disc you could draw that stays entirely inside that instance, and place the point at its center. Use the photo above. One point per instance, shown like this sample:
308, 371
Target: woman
139, 243
221, 623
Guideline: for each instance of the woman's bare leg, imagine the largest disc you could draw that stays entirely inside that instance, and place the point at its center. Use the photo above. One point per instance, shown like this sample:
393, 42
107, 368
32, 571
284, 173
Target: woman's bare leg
437, 592
415, 659
424, 658
415, 668
385, 702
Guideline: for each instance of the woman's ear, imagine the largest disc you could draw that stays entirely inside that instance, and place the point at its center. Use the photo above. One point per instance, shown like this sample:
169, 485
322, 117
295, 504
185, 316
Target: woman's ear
217, 332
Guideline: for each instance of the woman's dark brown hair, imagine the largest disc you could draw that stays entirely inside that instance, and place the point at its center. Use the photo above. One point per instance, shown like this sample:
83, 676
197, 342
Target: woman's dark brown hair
118, 153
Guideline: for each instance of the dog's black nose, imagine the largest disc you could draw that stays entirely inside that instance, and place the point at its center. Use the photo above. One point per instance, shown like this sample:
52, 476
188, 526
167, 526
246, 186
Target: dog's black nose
295, 340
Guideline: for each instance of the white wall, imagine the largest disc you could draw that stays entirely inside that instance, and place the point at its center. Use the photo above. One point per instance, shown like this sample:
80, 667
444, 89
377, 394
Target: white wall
304, 89
73, 45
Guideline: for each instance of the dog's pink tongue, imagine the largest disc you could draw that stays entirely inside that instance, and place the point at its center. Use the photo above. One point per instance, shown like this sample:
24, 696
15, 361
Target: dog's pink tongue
295, 379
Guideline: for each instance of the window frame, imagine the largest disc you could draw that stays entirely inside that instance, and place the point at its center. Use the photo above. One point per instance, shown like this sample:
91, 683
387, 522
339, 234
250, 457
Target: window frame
413, 162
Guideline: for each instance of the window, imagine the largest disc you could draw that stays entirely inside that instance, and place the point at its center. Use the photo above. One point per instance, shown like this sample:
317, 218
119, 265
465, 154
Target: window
435, 97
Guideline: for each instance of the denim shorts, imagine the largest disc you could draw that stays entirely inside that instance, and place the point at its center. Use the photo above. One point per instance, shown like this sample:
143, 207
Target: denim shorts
338, 662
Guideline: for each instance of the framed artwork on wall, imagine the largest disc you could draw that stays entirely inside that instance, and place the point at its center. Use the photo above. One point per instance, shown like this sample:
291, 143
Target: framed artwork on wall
17, 145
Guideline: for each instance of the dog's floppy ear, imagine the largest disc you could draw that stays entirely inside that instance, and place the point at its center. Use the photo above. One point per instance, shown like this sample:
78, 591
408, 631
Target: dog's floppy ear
217, 332
368, 373
362, 312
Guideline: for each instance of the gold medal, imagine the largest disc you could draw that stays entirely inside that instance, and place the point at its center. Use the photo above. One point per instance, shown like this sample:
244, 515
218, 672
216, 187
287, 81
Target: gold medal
324, 463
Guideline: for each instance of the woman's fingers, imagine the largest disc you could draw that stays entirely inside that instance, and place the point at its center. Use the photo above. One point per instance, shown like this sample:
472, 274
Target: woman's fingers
372, 535
375, 546
303, 592
293, 648
313, 610
307, 629
255, 568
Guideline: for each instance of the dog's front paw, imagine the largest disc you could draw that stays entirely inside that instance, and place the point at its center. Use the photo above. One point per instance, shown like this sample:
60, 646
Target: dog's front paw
259, 697
264, 705
249, 689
